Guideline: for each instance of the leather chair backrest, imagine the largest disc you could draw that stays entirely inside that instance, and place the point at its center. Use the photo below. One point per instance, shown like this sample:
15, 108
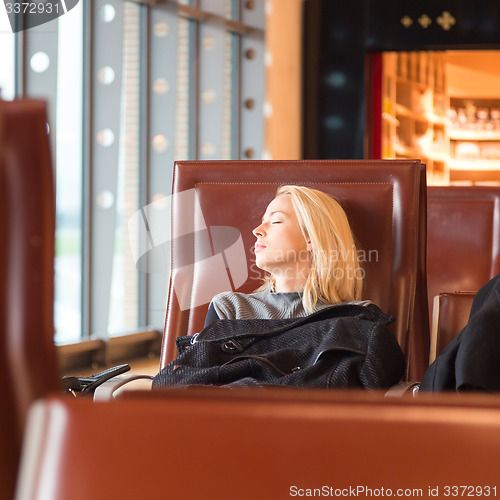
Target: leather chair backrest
28, 364
267, 444
450, 314
384, 200
463, 238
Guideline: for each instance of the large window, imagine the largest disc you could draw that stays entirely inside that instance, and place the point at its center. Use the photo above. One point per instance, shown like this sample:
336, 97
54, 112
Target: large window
131, 87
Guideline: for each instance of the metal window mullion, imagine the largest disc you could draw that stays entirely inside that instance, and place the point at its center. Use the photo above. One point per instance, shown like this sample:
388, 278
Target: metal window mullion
144, 140
87, 168
211, 81
236, 107
106, 112
161, 147
237, 10
194, 91
252, 70
19, 64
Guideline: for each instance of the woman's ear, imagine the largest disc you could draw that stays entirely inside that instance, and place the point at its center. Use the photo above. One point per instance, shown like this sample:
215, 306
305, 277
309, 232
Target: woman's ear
309, 246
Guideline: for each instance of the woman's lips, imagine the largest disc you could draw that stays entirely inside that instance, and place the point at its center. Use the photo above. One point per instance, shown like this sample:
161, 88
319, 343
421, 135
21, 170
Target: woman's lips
259, 246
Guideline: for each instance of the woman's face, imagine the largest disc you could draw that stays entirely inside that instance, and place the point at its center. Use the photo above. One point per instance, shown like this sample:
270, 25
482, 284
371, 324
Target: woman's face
281, 246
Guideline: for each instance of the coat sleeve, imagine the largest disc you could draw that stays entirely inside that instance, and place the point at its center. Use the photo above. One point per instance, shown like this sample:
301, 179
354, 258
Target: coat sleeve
384, 364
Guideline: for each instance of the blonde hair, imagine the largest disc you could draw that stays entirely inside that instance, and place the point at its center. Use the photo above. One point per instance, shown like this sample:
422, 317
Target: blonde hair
335, 274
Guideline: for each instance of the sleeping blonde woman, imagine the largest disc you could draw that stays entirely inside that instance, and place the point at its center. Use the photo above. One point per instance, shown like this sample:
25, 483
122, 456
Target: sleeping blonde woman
307, 326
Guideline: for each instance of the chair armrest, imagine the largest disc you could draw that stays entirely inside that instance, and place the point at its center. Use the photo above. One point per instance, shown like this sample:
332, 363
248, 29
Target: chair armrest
106, 390
403, 389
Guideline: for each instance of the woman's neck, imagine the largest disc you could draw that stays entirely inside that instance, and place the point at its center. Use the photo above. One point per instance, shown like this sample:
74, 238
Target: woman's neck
282, 285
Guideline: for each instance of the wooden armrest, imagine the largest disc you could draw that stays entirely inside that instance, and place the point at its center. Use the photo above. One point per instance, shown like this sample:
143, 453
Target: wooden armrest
106, 391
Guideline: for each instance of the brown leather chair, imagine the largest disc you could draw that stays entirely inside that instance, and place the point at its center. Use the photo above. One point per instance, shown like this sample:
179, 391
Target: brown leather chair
28, 365
384, 199
463, 238
266, 444
450, 314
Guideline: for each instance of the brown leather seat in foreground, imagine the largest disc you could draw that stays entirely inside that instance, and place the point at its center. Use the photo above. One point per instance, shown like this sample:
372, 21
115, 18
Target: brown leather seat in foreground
28, 365
463, 238
449, 315
384, 199
264, 444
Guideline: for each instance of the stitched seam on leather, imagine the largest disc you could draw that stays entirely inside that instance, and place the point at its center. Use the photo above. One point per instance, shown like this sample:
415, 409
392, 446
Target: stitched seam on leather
303, 162
391, 244
203, 183
195, 260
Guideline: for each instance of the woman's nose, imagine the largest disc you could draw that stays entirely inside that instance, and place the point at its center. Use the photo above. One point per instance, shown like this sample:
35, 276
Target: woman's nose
258, 231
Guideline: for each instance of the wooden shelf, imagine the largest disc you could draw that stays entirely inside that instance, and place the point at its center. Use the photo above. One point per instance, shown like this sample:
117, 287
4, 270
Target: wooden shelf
474, 135
406, 152
438, 157
411, 83
390, 119
473, 165
421, 117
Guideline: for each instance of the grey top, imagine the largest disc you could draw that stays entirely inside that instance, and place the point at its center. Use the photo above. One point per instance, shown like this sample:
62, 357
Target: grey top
264, 305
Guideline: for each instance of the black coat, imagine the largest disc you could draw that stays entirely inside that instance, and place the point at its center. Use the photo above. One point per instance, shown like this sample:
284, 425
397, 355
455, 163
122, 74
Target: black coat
471, 360
344, 346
